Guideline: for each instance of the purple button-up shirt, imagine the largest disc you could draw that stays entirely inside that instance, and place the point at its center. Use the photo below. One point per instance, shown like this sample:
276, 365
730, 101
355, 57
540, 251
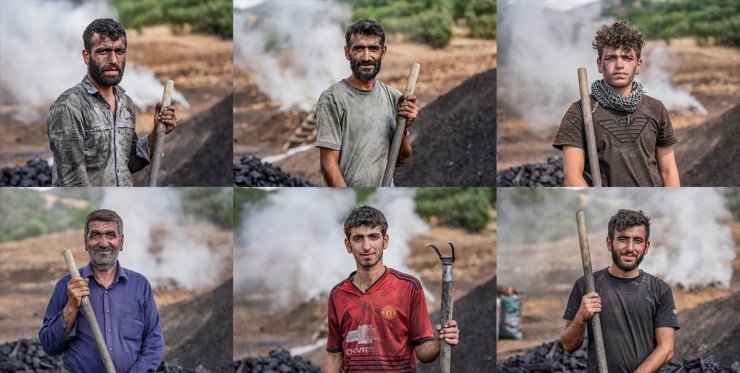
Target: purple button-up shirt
128, 319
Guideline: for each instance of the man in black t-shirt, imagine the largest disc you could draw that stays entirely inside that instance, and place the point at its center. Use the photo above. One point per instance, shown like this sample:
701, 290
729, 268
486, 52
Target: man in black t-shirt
634, 135
638, 314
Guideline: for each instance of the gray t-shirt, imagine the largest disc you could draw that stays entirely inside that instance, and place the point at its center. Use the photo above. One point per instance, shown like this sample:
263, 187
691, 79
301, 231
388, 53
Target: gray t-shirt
360, 125
631, 310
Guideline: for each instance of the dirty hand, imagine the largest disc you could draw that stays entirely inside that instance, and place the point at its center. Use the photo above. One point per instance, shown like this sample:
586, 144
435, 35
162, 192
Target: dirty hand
167, 117
76, 289
449, 333
590, 304
407, 108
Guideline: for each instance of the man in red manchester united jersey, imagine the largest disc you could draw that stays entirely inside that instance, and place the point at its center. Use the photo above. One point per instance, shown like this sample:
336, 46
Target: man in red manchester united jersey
378, 320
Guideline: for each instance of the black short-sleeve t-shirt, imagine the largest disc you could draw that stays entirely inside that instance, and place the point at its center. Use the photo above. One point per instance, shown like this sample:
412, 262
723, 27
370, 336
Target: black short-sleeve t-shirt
625, 142
631, 310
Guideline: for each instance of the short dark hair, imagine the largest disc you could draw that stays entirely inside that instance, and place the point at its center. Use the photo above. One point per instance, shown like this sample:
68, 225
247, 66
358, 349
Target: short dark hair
365, 216
366, 27
624, 219
103, 215
618, 35
107, 28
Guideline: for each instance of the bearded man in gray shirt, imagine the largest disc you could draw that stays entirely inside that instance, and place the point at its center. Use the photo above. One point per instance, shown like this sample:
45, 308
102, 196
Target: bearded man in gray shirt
357, 116
91, 126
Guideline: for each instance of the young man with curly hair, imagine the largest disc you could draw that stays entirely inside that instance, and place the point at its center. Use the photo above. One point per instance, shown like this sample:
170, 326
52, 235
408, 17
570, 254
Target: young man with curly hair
634, 135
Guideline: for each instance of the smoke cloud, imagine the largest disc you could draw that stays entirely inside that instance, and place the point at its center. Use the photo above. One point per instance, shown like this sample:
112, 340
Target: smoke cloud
540, 51
293, 50
690, 246
41, 56
292, 243
157, 242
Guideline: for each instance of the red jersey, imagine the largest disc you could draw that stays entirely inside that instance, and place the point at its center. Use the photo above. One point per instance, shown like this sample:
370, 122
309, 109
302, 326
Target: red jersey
377, 330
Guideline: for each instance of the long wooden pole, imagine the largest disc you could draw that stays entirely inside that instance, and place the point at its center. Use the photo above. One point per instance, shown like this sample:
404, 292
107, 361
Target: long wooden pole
588, 124
90, 315
590, 286
390, 167
160, 130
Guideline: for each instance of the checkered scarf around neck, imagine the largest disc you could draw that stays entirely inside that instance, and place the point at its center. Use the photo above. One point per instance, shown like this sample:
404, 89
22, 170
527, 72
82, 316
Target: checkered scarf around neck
609, 99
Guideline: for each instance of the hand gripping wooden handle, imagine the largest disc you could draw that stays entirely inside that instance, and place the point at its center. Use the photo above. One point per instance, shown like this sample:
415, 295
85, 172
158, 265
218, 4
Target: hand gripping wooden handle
390, 167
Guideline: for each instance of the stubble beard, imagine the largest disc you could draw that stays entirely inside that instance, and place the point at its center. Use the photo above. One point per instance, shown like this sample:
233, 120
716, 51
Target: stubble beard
97, 72
99, 263
355, 65
624, 266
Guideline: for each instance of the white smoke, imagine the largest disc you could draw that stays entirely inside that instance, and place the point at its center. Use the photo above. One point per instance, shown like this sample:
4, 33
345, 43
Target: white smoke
293, 241
293, 50
690, 246
157, 212
540, 51
41, 56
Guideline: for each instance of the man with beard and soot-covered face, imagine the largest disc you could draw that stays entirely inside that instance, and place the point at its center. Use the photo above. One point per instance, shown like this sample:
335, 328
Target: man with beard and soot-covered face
638, 314
91, 125
122, 300
357, 116
377, 317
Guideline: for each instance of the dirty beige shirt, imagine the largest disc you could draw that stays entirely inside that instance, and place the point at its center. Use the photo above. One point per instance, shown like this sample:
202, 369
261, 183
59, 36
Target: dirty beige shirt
93, 146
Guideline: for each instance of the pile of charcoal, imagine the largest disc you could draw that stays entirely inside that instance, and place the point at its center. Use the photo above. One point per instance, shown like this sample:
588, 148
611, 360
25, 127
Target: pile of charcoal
251, 171
548, 174
707, 365
27, 355
278, 361
36, 172
550, 357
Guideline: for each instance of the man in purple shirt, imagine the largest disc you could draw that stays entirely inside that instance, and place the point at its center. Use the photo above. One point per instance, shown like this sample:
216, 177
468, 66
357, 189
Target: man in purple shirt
122, 300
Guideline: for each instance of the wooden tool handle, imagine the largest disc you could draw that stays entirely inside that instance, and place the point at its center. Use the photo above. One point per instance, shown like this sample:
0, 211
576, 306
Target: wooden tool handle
590, 286
90, 315
160, 131
588, 124
390, 167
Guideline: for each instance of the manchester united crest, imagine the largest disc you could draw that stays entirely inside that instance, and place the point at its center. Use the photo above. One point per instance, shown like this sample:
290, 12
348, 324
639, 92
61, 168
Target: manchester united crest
388, 312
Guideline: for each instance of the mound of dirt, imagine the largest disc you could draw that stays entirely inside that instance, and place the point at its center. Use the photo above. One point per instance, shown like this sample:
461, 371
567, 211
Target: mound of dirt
476, 317
711, 329
455, 142
199, 331
707, 155
199, 152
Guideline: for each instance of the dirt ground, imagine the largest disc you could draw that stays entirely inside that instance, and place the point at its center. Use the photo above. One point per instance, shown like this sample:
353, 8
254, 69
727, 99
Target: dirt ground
29, 269
712, 75
260, 128
258, 329
200, 65
555, 264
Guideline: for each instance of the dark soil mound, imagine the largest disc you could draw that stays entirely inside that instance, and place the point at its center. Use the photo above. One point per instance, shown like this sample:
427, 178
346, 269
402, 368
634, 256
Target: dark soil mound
476, 317
252, 172
456, 138
711, 329
199, 331
199, 152
533, 174
708, 155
